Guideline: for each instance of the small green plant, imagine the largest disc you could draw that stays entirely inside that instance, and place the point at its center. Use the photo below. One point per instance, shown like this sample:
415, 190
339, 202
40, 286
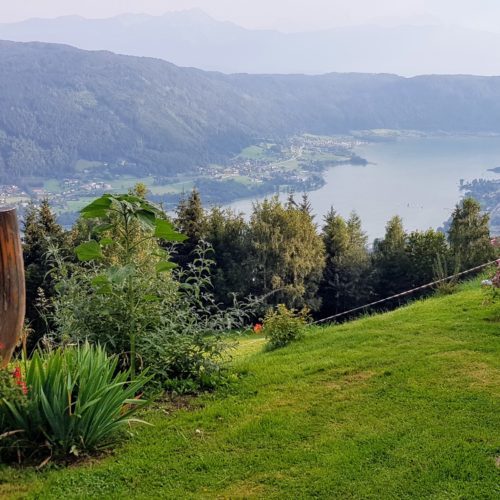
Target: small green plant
12, 388
66, 402
283, 325
442, 272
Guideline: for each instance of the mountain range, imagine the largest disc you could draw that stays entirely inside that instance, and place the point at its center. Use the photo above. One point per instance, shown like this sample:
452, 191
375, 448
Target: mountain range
59, 104
192, 38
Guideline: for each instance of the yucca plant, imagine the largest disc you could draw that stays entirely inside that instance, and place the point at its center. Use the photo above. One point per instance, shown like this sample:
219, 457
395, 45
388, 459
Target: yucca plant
75, 401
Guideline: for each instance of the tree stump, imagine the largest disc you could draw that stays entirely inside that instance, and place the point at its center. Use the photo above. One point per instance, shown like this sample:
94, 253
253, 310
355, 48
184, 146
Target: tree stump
12, 285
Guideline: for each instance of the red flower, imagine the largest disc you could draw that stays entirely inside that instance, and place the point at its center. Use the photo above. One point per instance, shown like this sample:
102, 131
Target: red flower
19, 380
24, 388
257, 328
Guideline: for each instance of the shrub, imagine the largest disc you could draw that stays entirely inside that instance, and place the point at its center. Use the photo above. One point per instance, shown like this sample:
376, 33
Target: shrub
282, 325
74, 401
181, 335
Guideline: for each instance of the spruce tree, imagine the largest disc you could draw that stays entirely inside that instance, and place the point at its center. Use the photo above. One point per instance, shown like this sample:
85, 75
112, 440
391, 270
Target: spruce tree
227, 232
42, 233
345, 281
190, 220
390, 260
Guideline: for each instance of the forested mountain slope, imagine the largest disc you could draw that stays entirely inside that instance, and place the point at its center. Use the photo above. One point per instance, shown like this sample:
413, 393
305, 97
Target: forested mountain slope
59, 104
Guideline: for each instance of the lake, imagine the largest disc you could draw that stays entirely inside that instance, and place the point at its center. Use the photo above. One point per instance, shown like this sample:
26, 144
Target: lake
418, 179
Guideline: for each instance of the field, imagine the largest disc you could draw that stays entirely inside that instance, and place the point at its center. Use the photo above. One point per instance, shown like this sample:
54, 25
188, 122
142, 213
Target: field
399, 405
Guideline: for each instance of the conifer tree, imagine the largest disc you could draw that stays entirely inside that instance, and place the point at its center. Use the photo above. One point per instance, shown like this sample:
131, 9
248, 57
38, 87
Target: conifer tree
41, 233
227, 232
191, 221
345, 281
390, 260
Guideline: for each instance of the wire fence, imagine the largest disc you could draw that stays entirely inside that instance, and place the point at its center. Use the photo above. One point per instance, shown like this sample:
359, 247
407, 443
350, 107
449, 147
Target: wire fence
403, 294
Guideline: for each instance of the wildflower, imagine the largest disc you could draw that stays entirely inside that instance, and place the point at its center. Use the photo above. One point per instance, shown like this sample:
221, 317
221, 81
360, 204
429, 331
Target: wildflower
24, 388
257, 328
19, 380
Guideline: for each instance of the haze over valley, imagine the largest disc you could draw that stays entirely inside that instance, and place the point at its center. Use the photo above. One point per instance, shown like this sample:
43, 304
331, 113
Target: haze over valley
193, 38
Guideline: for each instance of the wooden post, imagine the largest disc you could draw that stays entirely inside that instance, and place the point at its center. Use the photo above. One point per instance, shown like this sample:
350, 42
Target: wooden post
12, 285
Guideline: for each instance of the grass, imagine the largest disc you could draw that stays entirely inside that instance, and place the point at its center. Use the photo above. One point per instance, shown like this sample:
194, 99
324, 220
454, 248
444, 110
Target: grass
399, 405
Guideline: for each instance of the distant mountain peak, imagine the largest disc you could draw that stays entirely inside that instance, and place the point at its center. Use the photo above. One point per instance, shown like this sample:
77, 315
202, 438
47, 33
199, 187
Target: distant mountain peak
195, 39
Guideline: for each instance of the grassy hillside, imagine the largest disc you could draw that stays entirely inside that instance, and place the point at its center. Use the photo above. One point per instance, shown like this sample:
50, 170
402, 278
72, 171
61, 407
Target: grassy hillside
59, 105
400, 405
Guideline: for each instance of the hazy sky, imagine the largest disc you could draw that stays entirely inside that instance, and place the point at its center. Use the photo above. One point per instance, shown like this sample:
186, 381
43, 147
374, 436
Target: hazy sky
285, 15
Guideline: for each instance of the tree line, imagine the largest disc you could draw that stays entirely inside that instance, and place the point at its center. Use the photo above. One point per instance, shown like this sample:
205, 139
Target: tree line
282, 254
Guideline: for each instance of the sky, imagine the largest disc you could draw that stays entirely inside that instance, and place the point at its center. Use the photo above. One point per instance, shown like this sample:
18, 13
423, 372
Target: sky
283, 15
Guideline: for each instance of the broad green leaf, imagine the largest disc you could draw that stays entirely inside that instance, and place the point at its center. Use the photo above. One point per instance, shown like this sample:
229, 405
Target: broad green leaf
102, 285
165, 231
146, 218
105, 242
98, 208
89, 250
120, 274
103, 227
161, 267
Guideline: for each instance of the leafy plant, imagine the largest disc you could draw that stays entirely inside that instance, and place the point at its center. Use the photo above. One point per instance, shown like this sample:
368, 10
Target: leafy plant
183, 330
283, 325
129, 222
75, 401
442, 272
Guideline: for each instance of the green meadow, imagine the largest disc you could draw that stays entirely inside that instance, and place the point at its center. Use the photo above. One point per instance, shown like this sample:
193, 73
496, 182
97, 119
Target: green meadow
398, 405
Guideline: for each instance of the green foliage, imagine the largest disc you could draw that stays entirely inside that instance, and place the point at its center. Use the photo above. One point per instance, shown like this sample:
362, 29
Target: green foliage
128, 224
11, 389
391, 261
469, 235
190, 220
181, 335
424, 249
130, 298
442, 271
283, 325
287, 254
228, 234
41, 235
76, 402
346, 276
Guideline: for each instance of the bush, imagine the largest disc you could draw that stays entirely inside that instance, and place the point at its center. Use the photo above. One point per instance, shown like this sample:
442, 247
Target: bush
71, 401
127, 295
282, 325
181, 336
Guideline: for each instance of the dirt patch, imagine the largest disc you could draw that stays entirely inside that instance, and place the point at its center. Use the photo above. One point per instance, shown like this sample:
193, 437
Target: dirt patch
482, 374
359, 377
171, 404
348, 379
243, 489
